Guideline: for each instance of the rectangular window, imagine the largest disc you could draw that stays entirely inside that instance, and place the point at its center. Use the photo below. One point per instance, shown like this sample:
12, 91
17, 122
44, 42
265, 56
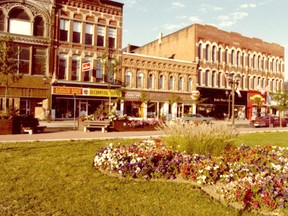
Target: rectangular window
64, 27
75, 67
87, 74
128, 79
39, 61
62, 72
100, 36
24, 60
99, 72
76, 32
89, 34
112, 38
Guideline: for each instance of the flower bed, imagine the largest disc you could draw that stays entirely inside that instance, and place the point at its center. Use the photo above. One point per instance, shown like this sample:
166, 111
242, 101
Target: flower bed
256, 177
135, 125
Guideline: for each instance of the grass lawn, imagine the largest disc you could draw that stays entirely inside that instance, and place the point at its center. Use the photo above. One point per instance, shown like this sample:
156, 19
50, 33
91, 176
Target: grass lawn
57, 178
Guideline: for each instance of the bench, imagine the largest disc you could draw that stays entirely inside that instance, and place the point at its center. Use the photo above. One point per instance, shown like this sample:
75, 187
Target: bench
31, 125
34, 129
104, 125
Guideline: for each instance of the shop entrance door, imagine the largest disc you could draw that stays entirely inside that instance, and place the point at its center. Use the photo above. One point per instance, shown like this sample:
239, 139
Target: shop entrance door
83, 108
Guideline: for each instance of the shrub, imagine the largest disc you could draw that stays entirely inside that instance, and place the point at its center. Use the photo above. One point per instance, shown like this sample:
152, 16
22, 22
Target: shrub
198, 139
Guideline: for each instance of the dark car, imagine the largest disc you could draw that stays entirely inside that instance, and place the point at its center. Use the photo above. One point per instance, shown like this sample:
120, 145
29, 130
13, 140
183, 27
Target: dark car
268, 121
196, 119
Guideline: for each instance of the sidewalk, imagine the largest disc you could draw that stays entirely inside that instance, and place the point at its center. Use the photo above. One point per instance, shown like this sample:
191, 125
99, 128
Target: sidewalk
64, 130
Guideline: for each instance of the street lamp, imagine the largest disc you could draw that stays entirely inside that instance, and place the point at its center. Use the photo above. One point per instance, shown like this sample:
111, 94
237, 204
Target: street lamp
229, 100
233, 83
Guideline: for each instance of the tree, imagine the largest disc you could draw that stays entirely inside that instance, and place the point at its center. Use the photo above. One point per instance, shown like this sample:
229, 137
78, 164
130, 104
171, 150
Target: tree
9, 65
258, 100
281, 101
109, 65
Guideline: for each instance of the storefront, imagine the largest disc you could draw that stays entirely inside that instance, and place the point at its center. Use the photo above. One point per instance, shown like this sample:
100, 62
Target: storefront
70, 102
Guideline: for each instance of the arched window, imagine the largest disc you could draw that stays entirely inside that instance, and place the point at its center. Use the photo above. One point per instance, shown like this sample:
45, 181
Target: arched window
207, 78
199, 77
180, 84
226, 56
207, 52
63, 69
2, 21
161, 82
38, 26
151, 81
254, 61
171, 83
232, 57
190, 83
139, 83
259, 63
243, 59
220, 55
238, 58
19, 22
128, 77
219, 79
214, 53
200, 51
213, 79
249, 60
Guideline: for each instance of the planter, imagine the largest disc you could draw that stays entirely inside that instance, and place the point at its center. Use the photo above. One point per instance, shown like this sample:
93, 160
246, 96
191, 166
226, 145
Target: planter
10, 126
124, 125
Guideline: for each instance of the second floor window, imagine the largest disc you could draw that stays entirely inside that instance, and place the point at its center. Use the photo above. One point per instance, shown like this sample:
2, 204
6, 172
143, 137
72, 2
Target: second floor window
99, 71
161, 82
76, 32
100, 36
64, 26
112, 38
62, 70
140, 80
171, 83
2, 21
75, 67
24, 59
128, 79
150, 81
89, 34
189, 87
180, 84
39, 61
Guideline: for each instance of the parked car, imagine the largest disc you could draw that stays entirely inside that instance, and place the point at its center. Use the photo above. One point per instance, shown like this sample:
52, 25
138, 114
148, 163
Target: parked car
268, 121
196, 119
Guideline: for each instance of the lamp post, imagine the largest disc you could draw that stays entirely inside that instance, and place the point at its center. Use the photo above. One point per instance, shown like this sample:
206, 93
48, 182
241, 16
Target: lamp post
229, 100
48, 82
233, 81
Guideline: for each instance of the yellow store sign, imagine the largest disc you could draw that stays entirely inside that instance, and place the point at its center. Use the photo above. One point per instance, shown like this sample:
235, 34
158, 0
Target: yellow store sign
87, 91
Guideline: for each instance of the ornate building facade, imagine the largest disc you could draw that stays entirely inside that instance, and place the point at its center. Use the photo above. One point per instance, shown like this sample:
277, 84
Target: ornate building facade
219, 54
157, 87
69, 50
29, 26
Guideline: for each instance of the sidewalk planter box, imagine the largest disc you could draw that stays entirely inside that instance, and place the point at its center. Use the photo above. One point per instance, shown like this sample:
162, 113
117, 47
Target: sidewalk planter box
126, 125
10, 126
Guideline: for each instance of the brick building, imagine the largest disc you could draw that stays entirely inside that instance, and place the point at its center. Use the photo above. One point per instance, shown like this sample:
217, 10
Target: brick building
55, 39
72, 62
218, 54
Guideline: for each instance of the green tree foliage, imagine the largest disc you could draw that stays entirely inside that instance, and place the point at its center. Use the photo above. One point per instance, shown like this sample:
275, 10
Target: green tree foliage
281, 100
8, 64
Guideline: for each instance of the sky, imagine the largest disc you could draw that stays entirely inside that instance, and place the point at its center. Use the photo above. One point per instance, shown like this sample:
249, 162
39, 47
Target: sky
267, 20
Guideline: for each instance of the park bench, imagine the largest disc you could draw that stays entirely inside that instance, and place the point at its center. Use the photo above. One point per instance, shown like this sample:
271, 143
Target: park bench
31, 125
104, 125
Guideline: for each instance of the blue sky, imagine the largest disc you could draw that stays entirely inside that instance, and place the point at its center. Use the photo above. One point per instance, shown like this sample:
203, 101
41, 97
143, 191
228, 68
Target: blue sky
265, 19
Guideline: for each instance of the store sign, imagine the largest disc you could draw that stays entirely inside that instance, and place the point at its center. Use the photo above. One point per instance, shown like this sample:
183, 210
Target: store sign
67, 91
86, 66
86, 91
